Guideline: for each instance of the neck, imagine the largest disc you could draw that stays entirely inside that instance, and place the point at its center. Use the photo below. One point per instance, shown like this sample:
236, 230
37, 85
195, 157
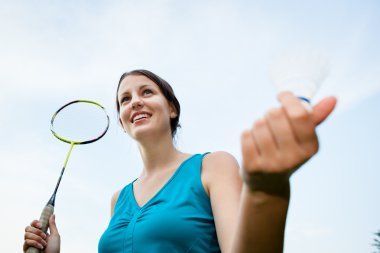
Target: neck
158, 154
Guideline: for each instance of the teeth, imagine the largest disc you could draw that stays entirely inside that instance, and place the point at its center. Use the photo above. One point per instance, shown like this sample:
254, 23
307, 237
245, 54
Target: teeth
140, 116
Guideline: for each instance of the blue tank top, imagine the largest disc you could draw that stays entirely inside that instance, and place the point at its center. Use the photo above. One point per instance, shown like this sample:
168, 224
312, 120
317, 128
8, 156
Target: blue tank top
177, 219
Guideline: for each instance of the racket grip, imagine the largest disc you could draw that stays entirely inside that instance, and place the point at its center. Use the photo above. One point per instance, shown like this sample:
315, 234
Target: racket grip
44, 220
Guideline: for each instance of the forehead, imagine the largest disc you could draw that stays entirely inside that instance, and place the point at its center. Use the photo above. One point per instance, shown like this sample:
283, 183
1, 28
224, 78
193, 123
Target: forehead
134, 82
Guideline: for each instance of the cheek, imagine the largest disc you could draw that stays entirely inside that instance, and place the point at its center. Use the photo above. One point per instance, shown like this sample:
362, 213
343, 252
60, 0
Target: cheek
123, 116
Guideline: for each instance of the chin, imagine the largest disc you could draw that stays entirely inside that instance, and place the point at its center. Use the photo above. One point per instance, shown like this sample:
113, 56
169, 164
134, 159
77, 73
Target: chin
143, 132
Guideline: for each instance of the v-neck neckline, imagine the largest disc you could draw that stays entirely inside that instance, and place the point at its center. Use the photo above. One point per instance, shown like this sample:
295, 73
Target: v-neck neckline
162, 188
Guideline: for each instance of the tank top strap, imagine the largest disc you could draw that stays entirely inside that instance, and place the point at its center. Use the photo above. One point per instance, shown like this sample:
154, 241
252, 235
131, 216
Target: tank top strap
192, 167
123, 203
189, 180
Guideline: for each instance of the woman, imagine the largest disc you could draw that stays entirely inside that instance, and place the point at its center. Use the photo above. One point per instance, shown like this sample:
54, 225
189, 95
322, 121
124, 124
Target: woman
199, 203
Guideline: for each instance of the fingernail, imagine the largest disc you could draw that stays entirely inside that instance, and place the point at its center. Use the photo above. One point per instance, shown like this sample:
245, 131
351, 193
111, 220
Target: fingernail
40, 246
39, 225
44, 236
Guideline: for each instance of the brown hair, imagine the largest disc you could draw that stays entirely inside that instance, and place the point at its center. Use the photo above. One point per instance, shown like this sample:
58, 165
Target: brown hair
165, 88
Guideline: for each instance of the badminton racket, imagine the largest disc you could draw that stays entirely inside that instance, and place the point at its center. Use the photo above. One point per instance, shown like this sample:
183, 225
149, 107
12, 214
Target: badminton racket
75, 123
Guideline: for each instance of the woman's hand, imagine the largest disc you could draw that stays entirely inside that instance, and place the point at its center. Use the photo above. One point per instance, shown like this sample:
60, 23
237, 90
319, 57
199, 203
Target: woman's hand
36, 238
278, 144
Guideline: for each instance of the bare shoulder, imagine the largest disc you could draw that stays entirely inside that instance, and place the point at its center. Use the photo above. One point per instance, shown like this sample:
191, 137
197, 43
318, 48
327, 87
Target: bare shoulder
219, 167
114, 199
219, 160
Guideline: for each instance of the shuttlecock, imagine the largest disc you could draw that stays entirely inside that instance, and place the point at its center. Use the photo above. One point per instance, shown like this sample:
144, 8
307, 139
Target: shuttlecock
300, 72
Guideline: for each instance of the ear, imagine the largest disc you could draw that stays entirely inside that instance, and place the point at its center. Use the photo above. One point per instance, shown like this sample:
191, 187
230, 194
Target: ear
173, 111
173, 115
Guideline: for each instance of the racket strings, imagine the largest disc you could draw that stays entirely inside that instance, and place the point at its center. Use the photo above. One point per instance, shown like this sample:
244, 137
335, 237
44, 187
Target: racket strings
80, 122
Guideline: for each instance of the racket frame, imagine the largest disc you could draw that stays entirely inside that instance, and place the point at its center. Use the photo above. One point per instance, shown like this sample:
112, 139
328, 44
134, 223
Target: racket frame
79, 142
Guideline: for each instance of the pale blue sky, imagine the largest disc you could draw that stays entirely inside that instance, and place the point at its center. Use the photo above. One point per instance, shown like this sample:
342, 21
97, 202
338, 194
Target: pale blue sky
216, 54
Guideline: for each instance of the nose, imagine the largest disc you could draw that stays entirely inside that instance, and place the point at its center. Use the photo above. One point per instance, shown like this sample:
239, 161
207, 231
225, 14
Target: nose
137, 103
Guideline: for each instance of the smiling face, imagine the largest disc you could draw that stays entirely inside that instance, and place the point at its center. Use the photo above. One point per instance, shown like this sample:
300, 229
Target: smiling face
144, 110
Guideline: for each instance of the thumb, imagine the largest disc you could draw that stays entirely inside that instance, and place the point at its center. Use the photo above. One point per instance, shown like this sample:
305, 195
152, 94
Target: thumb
323, 109
52, 226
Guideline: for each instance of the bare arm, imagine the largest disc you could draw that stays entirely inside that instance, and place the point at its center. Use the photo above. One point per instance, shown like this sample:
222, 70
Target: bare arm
221, 178
261, 223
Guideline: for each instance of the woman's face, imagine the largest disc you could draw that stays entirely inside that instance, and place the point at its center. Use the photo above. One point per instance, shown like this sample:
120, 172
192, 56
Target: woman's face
144, 111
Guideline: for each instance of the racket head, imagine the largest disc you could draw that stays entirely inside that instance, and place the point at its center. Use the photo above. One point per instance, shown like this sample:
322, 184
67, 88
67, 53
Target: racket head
80, 142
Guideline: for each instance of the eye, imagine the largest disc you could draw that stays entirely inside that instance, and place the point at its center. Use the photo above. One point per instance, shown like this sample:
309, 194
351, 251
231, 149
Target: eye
147, 92
125, 99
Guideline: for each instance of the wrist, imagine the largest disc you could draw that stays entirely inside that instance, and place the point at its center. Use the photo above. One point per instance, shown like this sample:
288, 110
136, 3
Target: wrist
275, 184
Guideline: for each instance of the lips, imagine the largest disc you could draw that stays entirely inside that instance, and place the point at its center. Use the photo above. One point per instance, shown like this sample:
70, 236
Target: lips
140, 115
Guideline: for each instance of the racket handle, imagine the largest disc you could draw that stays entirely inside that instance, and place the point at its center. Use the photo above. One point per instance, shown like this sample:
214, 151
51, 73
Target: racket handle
44, 220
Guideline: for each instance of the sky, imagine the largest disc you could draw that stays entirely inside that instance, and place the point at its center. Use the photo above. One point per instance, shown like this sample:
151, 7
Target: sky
216, 55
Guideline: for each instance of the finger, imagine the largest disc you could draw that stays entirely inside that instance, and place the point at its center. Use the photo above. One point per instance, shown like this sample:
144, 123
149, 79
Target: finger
323, 109
249, 150
52, 226
36, 224
33, 237
36, 231
299, 118
281, 129
31, 243
290, 98
264, 139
